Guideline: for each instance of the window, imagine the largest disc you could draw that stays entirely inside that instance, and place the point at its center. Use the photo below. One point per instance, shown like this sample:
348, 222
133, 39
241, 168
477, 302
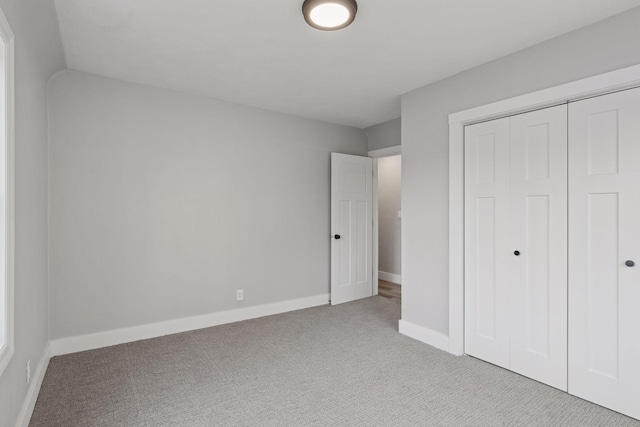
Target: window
6, 192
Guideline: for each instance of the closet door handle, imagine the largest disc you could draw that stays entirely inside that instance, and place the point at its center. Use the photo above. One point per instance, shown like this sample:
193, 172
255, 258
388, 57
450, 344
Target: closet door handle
517, 253
629, 263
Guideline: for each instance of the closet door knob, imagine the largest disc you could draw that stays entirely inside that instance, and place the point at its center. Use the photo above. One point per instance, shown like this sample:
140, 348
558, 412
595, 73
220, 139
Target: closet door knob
629, 263
517, 253
337, 237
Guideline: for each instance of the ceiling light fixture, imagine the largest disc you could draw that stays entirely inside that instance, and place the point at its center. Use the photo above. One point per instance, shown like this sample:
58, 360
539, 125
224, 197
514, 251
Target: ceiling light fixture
329, 15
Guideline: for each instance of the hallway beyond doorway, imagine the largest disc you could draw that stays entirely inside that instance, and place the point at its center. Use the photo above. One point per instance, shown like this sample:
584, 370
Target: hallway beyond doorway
389, 290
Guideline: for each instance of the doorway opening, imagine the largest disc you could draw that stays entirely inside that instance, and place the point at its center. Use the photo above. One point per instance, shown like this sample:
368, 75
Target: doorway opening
388, 222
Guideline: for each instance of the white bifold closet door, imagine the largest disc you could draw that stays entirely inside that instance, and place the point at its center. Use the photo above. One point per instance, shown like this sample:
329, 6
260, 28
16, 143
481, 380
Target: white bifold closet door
516, 243
488, 250
604, 250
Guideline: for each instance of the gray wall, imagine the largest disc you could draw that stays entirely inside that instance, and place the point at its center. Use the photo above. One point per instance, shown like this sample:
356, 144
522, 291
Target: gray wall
389, 229
601, 47
38, 53
384, 135
163, 204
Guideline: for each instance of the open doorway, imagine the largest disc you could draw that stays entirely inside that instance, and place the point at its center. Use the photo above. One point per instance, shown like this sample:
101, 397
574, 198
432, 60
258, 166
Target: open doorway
366, 260
387, 167
389, 227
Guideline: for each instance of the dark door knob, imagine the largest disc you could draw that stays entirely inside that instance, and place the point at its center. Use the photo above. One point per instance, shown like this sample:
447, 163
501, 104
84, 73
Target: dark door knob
337, 237
517, 253
629, 263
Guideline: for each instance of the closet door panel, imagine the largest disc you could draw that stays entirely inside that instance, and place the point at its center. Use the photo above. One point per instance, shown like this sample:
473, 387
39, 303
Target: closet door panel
486, 241
604, 233
538, 275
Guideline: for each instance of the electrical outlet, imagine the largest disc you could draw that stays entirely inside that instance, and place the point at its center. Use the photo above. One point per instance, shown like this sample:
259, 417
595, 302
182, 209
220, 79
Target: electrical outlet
240, 294
28, 371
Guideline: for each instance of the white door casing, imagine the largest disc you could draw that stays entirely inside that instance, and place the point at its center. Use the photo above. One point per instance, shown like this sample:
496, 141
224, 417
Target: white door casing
351, 220
515, 243
604, 233
538, 223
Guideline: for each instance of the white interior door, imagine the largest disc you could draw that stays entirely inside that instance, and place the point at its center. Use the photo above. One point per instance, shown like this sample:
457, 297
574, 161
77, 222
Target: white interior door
604, 236
351, 227
538, 275
487, 247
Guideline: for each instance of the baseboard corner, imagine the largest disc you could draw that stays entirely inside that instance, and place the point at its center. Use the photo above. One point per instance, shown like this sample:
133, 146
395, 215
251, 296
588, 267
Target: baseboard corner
24, 416
425, 335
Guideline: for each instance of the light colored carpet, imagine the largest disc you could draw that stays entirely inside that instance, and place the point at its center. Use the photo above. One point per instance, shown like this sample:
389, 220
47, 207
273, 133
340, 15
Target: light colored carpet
343, 365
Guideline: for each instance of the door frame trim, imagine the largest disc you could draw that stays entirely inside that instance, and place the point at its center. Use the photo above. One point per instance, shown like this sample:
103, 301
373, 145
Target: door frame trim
601, 84
375, 155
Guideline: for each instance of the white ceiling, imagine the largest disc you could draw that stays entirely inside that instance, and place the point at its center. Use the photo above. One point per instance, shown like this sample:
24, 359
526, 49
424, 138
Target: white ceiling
261, 52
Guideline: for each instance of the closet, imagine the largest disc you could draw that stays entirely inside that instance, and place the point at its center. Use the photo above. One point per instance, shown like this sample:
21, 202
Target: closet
552, 238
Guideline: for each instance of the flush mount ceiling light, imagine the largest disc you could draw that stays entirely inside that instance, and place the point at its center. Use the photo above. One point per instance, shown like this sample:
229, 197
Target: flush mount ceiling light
329, 15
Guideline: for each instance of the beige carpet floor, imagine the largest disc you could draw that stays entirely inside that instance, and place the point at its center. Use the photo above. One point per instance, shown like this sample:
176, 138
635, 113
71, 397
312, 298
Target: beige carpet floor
325, 366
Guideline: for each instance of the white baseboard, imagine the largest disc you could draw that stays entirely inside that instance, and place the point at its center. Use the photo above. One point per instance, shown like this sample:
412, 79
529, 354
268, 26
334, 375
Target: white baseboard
390, 277
24, 416
426, 335
135, 333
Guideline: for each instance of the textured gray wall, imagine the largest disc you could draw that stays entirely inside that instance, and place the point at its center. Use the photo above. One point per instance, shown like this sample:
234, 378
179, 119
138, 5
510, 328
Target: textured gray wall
38, 54
384, 135
605, 46
389, 225
163, 204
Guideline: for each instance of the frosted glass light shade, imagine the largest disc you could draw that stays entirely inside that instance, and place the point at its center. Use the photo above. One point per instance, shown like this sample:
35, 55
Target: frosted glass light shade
329, 15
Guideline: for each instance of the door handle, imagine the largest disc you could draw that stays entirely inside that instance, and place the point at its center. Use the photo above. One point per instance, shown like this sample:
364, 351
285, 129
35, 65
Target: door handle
337, 237
629, 263
517, 253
